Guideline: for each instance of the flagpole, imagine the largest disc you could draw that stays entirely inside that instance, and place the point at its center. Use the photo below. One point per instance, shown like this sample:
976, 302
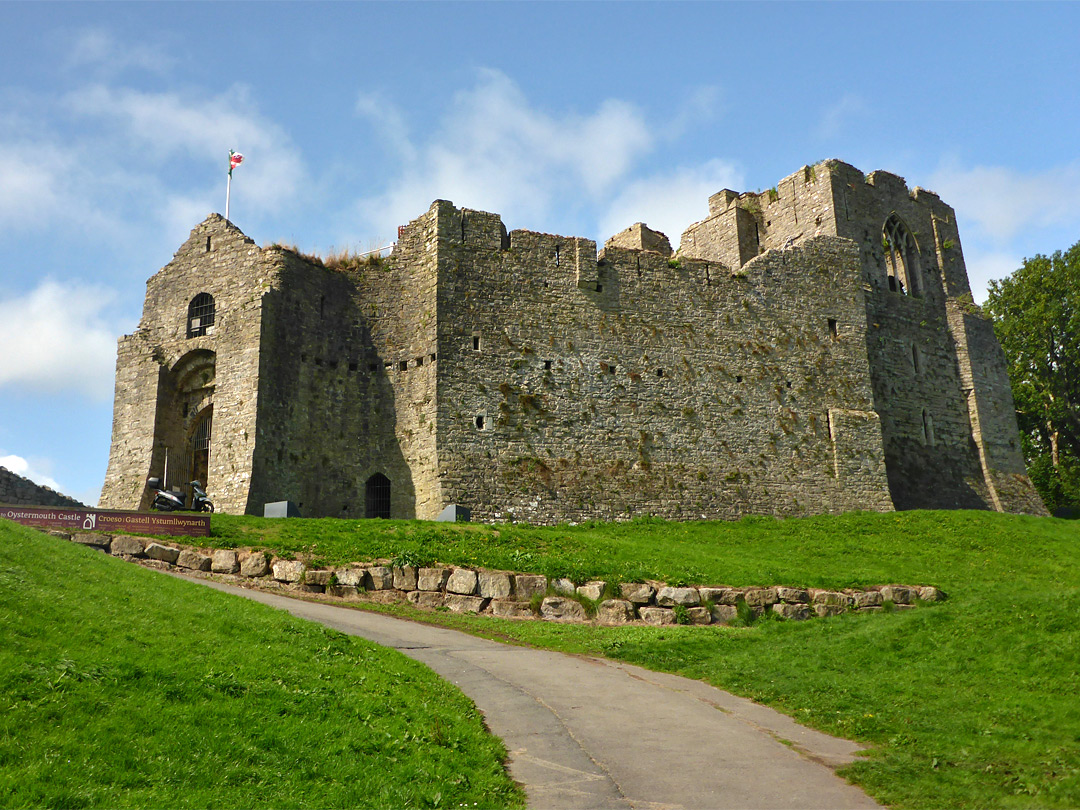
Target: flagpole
228, 190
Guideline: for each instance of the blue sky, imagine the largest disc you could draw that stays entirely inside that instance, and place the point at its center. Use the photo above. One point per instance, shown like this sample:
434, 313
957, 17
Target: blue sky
572, 118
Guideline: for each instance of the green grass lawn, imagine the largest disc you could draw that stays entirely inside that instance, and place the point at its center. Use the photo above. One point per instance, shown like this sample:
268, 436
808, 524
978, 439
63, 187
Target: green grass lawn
974, 702
122, 687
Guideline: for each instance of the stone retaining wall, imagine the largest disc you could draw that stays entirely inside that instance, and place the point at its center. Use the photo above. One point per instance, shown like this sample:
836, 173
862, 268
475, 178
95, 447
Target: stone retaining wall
506, 594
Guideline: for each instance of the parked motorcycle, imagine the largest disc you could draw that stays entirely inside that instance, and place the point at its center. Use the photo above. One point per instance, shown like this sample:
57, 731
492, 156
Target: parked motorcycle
169, 501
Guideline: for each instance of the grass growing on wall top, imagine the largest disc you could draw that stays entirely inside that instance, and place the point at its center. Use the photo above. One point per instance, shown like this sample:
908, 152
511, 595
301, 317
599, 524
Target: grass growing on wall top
122, 687
971, 703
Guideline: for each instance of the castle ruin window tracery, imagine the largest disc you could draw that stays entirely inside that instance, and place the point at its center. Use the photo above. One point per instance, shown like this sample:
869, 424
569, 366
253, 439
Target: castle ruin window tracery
901, 257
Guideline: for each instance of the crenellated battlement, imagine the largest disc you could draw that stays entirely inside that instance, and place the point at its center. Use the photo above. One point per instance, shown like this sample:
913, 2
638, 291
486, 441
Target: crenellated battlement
804, 350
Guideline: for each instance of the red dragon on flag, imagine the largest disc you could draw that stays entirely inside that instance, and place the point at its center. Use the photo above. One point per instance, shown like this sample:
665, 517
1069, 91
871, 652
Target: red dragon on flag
235, 159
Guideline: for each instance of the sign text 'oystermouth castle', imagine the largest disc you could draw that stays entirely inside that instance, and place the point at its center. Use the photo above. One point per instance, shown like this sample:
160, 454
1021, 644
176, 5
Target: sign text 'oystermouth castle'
811, 348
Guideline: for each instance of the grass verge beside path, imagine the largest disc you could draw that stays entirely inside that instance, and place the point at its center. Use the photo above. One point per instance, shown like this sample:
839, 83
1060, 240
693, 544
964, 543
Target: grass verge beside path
120, 687
971, 703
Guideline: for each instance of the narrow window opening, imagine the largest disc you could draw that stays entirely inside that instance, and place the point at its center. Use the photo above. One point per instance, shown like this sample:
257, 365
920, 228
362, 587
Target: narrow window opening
480, 421
419, 362
403, 365
373, 367
901, 257
832, 327
611, 369
352, 366
659, 372
388, 365
915, 359
599, 287
433, 356
556, 255
738, 378
303, 358
208, 244
547, 365
476, 343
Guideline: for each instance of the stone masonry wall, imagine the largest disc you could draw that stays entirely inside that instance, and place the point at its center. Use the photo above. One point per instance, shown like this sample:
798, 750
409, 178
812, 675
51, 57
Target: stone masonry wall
571, 388
18, 491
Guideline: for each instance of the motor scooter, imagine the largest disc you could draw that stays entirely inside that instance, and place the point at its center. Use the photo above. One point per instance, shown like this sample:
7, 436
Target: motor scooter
170, 501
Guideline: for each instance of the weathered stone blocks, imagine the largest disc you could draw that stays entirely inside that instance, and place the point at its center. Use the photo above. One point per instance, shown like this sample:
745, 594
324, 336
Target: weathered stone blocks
794, 611
92, 539
461, 603
495, 584
193, 560
724, 614
639, 593
255, 565
156, 551
899, 594
669, 596
592, 590
123, 544
561, 608
563, 586
432, 579
426, 599
224, 561
462, 581
320, 578
615, 611
657, 615
405, 577
351, 577
288, 570
381, 577
526, 586
511, 609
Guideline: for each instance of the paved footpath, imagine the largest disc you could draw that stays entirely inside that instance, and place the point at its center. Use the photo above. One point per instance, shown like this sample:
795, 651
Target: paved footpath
590, 733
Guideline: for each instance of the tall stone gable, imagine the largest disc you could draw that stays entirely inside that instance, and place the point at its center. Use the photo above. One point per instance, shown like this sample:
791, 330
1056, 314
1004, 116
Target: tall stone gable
809, 349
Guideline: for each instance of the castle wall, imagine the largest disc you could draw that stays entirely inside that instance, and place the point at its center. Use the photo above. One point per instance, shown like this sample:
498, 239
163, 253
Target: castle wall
628, 386
157, 402
15, 490
348, 365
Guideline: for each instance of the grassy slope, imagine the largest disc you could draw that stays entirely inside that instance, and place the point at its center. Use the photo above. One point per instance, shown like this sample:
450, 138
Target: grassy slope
120, 687
970, 703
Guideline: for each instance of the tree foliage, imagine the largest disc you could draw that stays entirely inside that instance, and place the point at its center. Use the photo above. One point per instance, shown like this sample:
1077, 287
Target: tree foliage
1036, 314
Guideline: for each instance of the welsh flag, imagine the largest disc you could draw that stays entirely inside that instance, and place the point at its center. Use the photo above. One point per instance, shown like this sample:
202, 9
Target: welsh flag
235, 159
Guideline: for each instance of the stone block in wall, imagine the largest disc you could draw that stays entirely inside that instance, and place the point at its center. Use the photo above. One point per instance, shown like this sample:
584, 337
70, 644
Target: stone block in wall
462, 603
720, 596
405, 577
698, 615
426, 599
125, 544
760, 597
92, 539
831, 598
928, 593
828, 610
462, 581
193, 560
307, 587
432, 579
510, 609
669, 596
156, 551
382, 578
794, 611
351, 577
495, 584
254, 564
318, 577
899, 594
657, 615
593, 589
559, 608
563, 586
225, 561
388, 596
724, 614
58, 533
287, 570
343, 591
793, 596
865, 599
639, 593
615, 611
526, 586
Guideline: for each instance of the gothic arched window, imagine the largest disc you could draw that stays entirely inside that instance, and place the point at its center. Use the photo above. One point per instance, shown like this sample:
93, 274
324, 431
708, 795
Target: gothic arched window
901, 257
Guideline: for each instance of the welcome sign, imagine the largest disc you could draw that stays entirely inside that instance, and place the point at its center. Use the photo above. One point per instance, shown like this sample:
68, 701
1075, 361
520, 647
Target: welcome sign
108, 520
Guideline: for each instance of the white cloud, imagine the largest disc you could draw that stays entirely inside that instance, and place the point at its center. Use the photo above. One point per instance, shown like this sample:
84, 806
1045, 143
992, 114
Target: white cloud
97, 49
672, 201
1003, 202
839, 115
57, 339
496, 152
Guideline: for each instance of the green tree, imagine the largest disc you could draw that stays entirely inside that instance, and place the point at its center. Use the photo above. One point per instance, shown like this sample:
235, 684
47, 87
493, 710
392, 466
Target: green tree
1036, 314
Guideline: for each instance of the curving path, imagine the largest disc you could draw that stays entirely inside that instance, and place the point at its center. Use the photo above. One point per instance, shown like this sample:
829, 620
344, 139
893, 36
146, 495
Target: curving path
590, 733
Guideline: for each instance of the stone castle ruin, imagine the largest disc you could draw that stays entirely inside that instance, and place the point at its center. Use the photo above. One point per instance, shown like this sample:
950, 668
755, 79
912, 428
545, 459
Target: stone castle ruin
812, 348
